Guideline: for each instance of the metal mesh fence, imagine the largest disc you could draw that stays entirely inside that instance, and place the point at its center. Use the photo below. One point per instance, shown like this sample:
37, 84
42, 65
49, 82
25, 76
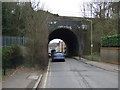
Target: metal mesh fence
8, 40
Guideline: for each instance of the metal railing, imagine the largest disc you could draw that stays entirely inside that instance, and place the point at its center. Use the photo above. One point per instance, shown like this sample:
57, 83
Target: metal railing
8, 40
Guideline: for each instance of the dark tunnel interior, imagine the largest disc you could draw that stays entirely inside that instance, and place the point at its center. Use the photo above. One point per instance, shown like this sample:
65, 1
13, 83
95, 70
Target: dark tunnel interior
69, 38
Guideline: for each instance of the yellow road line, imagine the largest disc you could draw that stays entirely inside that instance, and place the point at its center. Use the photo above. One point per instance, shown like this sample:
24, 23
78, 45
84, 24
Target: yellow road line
46, 76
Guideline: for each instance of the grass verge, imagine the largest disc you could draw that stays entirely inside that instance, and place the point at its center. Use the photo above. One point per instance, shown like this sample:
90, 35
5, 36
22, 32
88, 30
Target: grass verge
92, 57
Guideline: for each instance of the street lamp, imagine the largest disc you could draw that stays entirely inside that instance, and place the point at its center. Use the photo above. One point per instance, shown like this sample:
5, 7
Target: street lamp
79, 38
91, 38
84, 27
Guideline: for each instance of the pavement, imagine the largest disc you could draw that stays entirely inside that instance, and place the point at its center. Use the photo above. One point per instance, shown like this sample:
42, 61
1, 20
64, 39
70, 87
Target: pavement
21, 78
102, 65
77, 74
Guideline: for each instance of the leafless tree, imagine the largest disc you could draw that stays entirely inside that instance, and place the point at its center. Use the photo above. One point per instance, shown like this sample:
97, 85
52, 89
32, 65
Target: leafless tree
105, 17
37, 34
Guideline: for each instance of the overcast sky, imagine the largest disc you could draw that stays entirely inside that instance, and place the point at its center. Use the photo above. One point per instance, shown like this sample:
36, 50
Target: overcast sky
64, 7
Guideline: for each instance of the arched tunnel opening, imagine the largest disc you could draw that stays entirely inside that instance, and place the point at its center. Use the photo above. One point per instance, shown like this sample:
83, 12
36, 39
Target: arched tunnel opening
58, 45
70, 39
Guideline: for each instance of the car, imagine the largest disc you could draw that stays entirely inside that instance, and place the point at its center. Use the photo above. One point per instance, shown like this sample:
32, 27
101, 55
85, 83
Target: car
58, 56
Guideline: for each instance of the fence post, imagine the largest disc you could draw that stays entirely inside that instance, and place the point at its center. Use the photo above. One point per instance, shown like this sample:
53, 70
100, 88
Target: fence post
4, 67
14, 61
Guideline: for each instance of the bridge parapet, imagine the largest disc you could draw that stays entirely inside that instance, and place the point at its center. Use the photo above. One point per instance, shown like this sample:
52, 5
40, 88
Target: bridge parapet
68, 24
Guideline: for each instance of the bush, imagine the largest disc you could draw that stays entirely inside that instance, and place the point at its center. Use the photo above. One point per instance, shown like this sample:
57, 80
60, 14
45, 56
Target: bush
8, 51
111, 41
11, 56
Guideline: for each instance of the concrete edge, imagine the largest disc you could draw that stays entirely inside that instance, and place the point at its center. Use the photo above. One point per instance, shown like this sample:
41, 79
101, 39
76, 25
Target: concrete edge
37, 83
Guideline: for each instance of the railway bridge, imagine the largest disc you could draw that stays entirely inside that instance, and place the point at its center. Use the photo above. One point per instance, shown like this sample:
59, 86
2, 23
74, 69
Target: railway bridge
72, 31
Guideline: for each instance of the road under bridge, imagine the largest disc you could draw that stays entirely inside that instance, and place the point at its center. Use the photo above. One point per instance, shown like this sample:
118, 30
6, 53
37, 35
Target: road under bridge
71, 32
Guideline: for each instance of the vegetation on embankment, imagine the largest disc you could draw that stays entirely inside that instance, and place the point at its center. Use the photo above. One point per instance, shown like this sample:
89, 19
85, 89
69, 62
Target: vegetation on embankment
19, 19
105, 22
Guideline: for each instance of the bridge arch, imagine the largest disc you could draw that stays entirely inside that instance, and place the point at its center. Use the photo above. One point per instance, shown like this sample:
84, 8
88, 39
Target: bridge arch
69, 38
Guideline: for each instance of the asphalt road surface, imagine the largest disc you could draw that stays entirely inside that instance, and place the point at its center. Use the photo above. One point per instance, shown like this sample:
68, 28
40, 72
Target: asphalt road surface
76, 74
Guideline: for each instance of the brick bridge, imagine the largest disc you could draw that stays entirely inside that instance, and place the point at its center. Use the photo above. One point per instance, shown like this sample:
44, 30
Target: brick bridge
71, 31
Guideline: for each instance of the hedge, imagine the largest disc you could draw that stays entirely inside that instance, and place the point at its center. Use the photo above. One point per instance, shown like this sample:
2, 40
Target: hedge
11, 56
8, 51
111, 41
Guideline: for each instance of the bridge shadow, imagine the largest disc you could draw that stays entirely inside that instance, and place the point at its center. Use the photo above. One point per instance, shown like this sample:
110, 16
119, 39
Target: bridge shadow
70, 39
